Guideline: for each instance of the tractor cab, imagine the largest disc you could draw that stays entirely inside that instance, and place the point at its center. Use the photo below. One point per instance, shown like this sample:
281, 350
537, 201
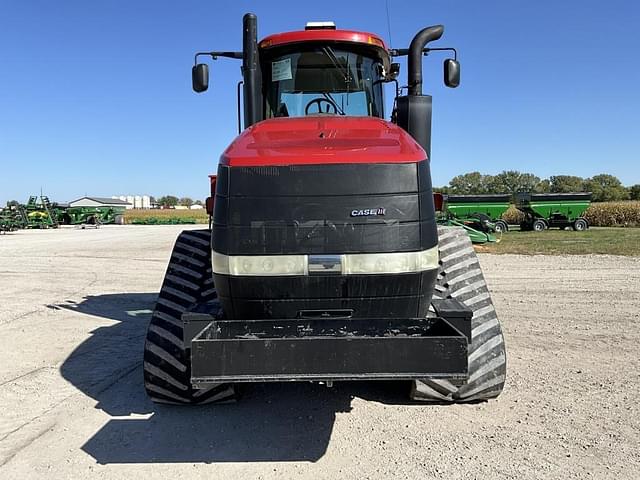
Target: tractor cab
323, 71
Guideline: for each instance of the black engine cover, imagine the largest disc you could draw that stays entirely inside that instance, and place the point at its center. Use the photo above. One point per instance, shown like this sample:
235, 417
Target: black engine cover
324, 209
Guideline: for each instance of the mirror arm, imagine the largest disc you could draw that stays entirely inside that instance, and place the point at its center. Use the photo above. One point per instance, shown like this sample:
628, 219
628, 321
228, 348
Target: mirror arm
215, 55
399, 52
395, 80
447, 49
403, 52
238, 89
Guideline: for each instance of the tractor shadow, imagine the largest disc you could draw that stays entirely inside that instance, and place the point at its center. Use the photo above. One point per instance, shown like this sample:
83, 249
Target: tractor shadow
271, 422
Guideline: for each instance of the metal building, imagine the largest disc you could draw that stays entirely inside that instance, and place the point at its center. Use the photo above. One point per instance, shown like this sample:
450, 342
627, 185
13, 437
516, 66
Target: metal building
98, 202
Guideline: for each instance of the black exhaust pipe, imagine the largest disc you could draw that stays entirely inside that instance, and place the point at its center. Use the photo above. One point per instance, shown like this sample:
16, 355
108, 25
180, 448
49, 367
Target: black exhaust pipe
251, 71
418, 43
414, 109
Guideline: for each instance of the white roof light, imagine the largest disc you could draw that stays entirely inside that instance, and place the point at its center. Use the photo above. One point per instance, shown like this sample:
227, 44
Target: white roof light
320, 26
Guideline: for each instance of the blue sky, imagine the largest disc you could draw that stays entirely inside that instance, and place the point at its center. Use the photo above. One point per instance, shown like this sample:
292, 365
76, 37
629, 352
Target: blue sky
95, 97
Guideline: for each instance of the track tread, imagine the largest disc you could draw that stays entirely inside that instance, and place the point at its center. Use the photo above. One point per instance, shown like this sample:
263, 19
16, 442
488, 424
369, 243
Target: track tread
460, 277
166, 366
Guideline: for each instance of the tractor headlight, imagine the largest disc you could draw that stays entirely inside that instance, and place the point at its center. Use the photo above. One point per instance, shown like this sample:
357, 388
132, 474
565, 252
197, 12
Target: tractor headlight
350, 264
396, 262
266, 265
220, 263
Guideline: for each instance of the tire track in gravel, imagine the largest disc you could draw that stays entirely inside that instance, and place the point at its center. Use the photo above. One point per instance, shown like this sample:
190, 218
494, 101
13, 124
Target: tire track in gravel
17, 438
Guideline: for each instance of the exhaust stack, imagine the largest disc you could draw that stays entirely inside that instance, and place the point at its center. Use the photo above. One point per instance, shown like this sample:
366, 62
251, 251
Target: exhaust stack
251, 70
418, 43
414, 109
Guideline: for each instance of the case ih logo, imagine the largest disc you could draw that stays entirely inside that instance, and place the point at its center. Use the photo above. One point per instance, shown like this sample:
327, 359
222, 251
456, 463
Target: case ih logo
368, 212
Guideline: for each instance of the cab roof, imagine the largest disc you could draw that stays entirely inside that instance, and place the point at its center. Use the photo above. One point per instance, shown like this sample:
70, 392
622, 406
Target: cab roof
323, 35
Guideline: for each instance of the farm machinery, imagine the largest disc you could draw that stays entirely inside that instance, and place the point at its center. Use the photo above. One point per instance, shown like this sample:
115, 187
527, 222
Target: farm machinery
479, 215
40, 212
12, 218
547, 210
37, 213
324, 261
483, 212
90, 215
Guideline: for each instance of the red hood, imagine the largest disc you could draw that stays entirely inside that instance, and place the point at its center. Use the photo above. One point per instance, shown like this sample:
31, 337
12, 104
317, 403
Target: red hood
322, 139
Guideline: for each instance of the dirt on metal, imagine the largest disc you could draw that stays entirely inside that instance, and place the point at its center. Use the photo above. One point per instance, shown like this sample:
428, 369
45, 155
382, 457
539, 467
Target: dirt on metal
73, 311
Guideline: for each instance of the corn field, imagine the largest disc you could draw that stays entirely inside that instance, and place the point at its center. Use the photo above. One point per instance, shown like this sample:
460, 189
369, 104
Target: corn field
601, 214
165, 217
614, 214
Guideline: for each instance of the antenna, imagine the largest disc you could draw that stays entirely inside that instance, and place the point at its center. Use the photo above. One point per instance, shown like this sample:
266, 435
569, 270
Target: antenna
388, 22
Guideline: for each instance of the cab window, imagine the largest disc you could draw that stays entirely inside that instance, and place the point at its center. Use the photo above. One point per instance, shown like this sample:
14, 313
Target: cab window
322, 81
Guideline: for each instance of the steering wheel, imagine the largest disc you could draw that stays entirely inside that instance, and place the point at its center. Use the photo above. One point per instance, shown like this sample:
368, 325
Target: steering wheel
320, 101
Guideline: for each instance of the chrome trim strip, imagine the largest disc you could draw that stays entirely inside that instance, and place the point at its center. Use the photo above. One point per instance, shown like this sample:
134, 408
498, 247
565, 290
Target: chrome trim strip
324, 264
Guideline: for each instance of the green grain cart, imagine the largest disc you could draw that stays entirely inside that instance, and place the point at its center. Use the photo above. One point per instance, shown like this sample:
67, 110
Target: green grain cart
479, 209
480, 230
91, 215
547, 210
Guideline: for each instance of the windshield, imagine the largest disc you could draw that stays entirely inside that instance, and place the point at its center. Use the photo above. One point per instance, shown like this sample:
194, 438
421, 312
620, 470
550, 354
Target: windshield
323, 80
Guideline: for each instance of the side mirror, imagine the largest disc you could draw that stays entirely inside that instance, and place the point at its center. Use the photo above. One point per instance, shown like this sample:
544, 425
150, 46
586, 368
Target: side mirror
451, 73
200, 77
209, 205
394, 70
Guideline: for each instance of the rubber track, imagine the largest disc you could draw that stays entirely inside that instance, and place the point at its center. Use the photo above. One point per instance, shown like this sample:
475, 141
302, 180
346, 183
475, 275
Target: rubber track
167, 369
460, 277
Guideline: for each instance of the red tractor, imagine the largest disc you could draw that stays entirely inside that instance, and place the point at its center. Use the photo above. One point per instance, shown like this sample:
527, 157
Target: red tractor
324, 261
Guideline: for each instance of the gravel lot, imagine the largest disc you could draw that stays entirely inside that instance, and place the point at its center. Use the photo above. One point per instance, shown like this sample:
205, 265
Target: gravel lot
73, 311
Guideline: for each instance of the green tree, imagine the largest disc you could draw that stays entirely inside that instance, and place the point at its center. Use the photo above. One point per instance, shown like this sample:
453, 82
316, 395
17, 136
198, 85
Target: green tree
512, 181
543, 186
606, 188
634, 192
168, 201
566, 183
186, 201
198, 202
13, 203
472, 183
